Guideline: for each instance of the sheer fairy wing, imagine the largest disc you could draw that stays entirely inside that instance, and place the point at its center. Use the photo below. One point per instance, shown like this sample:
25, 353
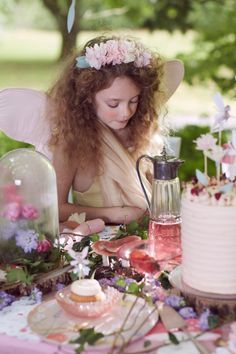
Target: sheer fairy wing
22, 117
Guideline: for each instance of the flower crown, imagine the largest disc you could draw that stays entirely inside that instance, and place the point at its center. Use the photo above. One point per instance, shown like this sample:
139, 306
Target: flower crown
114, 52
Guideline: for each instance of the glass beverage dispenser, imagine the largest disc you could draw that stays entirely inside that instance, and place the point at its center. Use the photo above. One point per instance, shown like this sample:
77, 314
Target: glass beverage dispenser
164, 207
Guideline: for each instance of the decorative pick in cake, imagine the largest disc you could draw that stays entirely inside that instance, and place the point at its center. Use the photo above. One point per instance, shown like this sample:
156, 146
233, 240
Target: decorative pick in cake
219, 190
205, 143
222, 114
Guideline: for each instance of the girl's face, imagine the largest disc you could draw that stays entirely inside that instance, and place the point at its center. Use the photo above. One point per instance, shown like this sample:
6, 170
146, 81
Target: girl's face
116, 104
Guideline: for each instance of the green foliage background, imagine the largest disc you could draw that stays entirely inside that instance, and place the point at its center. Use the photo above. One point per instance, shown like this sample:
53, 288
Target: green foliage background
194, 158
213, 56
213, 22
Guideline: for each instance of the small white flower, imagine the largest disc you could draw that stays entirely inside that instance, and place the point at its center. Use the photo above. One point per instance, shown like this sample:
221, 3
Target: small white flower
205, 142
79, 262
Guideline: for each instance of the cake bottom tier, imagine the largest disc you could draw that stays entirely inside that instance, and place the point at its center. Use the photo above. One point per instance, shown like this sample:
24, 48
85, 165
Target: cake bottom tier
208, 238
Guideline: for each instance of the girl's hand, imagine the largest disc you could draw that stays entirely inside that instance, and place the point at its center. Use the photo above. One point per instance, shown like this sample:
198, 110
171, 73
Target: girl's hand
124, 215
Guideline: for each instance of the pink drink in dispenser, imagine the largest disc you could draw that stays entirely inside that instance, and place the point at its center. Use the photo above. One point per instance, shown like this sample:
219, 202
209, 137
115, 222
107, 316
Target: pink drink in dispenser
164, 226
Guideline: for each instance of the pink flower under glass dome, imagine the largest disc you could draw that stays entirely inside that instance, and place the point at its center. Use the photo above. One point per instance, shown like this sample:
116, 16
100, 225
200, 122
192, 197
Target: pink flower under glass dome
28, 207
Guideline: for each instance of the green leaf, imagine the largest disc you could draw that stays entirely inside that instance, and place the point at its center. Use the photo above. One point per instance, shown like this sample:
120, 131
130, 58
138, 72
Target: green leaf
79, 246
143, 234
132, 227
147, 343
73, 276
87, 336
173, 338
68, 258
134, 288
145, 222
121, 282
94, 237
164, 280
36, 264
80, 349
19, 274
55, 254
122, 232
213, 321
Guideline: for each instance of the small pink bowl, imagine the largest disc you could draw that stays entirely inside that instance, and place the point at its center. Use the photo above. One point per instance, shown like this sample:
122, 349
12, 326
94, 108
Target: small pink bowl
88, 309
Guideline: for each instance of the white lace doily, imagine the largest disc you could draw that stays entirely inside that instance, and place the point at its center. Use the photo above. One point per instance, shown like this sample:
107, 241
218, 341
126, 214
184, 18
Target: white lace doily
13, 320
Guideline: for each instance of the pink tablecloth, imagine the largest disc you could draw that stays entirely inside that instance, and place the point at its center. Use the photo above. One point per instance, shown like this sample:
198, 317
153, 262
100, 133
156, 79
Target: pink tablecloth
157, 336
17, 337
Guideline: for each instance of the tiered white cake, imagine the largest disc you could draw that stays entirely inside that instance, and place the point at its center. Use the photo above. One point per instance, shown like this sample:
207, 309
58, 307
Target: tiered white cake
209, 238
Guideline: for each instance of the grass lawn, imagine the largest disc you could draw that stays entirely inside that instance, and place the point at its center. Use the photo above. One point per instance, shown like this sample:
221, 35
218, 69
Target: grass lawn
28, 59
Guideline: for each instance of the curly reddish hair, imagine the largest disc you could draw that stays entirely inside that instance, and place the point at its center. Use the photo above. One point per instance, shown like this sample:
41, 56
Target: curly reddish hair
74, 122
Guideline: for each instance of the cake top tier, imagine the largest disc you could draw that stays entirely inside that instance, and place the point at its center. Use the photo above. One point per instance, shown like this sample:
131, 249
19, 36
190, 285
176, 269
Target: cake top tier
216, 193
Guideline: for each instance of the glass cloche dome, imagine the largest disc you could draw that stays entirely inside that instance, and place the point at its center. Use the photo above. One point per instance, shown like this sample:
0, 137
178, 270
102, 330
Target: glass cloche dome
28, 207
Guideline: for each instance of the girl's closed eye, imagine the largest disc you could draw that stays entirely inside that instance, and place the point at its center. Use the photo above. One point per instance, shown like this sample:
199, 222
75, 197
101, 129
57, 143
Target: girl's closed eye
112, 105
134, 101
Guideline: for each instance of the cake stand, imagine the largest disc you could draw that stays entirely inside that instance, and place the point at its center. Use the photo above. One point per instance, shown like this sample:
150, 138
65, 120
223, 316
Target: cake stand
225, 305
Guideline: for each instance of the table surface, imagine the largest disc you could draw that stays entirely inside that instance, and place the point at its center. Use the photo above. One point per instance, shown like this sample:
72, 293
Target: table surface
16, 336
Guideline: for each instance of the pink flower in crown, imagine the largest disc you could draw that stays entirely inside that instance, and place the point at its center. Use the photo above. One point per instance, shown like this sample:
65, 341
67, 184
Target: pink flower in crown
117, 52
95, 55
29, 212
43, 245
143, 57
113, 53
12, 211
102, 54
205, 142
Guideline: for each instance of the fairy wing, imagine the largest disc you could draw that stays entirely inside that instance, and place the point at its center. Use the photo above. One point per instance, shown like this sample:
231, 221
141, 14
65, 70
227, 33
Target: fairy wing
22, 117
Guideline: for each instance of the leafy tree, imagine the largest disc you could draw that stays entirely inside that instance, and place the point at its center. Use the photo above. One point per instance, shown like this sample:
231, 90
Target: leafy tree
214, 55
213, 22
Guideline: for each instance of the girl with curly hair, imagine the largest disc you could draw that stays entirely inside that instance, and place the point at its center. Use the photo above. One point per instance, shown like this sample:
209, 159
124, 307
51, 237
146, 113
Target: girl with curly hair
101, 115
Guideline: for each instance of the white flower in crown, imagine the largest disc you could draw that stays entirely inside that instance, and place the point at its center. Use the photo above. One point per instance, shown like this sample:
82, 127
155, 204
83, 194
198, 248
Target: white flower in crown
128, 50
205, 142
143, 57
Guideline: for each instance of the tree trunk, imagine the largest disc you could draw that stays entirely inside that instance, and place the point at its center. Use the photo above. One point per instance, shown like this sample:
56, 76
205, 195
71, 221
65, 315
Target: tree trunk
59, 10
